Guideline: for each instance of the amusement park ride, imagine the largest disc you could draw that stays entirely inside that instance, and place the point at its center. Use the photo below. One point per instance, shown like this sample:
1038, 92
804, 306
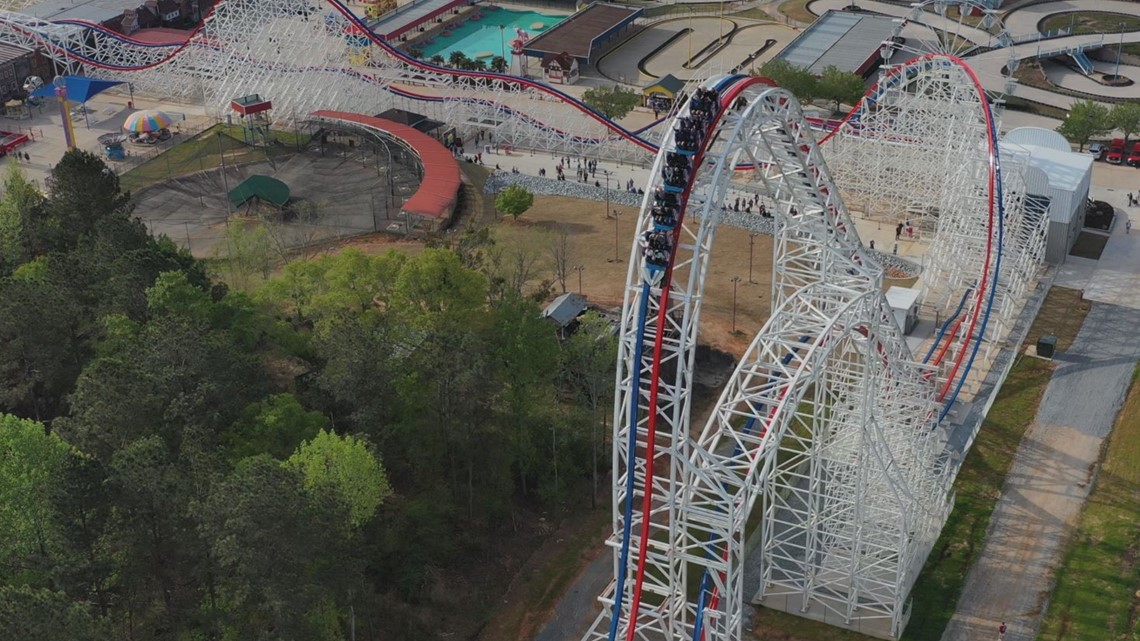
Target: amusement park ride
825, 462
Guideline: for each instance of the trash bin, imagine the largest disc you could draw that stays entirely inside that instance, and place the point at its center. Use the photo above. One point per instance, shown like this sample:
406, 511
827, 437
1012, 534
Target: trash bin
1046, 346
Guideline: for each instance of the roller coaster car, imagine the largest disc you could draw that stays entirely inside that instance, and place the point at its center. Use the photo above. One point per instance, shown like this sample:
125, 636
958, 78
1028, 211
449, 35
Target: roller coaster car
664, 218
662, 198
675, 178
673, 159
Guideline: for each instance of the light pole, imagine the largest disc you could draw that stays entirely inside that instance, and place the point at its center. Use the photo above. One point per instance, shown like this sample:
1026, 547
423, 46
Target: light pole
1119, 49
617, 242
751, 246
735, 282
579, 268
503, 41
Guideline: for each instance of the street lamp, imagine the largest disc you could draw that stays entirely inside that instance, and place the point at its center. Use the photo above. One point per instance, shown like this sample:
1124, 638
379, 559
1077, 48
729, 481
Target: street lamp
503, 41
735, 281
751, 245
617, 242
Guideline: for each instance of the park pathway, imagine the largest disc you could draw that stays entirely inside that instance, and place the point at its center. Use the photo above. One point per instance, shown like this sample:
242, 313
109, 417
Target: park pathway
1049, 480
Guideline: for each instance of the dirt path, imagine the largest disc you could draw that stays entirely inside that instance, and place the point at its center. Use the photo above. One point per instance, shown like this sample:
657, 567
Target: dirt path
1049, 480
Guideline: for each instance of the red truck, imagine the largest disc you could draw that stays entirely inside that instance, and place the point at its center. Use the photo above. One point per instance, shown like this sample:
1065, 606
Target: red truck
1134, 157
1115, 151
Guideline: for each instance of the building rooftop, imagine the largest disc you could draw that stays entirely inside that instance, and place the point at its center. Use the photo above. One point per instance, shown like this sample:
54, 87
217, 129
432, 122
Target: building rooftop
1065, 169
844, 39
577, 34
90, 10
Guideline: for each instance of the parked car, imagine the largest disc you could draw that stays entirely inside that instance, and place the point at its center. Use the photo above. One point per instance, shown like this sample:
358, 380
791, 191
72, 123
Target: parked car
1115, 153
1134, 157
1097, 151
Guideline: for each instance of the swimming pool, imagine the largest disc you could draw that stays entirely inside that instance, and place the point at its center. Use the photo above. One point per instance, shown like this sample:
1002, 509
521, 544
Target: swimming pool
484, 39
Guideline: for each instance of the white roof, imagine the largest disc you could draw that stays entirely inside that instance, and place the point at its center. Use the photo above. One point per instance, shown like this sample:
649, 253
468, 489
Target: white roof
902, 297
1038, 137
1066, 169
93, 10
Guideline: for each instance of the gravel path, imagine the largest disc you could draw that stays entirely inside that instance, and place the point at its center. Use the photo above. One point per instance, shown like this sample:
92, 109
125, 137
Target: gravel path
578, 608
1049, 481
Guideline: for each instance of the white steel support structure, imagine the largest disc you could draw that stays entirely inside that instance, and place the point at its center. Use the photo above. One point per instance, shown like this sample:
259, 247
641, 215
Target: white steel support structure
896, 156
298, 55
830, 426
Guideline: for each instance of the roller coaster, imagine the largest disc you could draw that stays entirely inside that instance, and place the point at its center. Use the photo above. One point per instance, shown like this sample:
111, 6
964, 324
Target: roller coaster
824, 462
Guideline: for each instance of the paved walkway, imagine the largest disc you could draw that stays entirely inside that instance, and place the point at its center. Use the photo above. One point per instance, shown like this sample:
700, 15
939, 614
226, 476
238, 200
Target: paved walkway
1049, 481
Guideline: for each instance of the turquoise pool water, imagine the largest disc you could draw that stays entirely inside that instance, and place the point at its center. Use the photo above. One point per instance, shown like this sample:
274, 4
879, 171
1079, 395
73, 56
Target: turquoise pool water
484, 36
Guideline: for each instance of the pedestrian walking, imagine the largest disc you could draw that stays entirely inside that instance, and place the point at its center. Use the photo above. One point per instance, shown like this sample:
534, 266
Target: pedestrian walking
1001, 631
872, 244
1128, 226
898, 231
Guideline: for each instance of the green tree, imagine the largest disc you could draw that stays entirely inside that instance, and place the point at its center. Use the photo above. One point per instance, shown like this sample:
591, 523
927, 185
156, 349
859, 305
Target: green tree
514, 201
499, 64
344, 467
21, 210
588, 360
82, 191
437, 60
434, 287
458, 59
840, 86
1125, 117
1085, 120
525, 348
612, 102
276, 426
42, 347
246, 252
31, 614
284, 555
800, 82
30, 466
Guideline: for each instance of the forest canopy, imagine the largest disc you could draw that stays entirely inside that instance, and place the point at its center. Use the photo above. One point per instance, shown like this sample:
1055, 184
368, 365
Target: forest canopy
187, 461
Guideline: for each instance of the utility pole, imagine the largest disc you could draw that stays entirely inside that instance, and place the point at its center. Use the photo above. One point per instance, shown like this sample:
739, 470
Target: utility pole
579, 268
617, 238
225, 181
751, 246
735, 282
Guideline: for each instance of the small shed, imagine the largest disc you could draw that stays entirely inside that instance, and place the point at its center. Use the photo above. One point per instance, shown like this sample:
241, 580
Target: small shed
565, 310
260, 188
561, 68
904, 305
661, 94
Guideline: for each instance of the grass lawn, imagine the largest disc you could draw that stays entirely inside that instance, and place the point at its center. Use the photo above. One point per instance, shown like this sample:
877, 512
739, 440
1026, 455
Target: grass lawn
1094, 22
1097, 595
204, 152
755, 14
978, 487
797, 10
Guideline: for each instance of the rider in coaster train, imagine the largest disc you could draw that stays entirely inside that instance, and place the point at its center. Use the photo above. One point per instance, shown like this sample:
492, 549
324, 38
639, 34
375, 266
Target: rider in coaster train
657, 247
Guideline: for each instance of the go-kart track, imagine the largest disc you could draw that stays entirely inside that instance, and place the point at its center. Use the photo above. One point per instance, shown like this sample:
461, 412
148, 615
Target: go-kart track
829, 440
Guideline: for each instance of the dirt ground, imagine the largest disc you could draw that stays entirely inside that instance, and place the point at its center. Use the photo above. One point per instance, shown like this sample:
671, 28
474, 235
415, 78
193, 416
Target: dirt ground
192, 209
592, 245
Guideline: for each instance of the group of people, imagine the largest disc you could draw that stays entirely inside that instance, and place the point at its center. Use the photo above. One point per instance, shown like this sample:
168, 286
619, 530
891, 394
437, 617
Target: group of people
691, 129
657, 246
676, 171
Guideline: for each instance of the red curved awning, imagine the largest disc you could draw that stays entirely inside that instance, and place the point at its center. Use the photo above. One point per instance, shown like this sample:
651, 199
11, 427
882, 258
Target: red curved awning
439, 189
